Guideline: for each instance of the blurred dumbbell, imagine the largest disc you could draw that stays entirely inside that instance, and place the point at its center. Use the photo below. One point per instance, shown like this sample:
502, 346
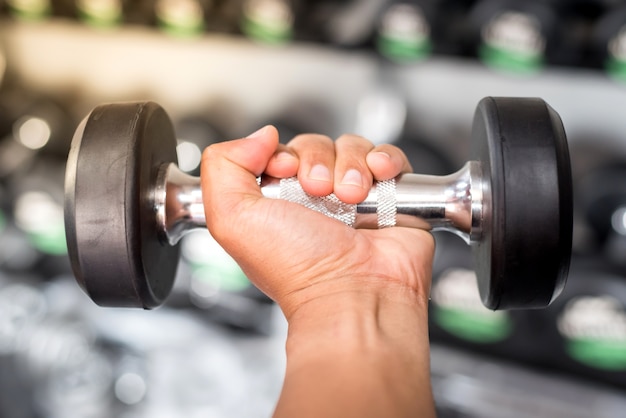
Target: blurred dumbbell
512, 35
608, 42
183, 17
587, 325
30, 10
343, 23
405, 30
95, 13
264, 21
458, 318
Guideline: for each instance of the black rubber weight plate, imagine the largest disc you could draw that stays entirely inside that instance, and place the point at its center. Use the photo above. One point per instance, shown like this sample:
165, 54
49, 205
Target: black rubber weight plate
524, 256
110, 224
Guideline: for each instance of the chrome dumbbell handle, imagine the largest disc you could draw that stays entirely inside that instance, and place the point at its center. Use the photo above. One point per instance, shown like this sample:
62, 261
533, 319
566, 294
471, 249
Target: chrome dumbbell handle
456, 203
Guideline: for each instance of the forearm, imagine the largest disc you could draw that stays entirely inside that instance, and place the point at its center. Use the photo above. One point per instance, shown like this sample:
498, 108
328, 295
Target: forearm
364, 356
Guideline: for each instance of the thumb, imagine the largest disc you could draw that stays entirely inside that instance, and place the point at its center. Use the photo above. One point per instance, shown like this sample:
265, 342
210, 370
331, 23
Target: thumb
229, 171
251, 153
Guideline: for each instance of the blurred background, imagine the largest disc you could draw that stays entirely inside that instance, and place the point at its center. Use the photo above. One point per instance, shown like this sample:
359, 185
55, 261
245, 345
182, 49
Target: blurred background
404, 72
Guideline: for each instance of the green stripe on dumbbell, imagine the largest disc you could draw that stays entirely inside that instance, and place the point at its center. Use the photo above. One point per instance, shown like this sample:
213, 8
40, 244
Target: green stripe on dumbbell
102, 14
30, 9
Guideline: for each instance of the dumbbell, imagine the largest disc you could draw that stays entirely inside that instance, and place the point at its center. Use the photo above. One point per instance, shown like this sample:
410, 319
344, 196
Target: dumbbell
513, 35
127, 204
404, 30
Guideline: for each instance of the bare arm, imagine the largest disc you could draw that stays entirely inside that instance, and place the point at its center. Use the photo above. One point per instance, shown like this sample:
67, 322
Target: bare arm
355, 300
364, 354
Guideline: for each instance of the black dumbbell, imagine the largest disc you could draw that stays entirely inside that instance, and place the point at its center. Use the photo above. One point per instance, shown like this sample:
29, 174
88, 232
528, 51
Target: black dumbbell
127, 203
584, 330
608, 38
404, 30
513, 35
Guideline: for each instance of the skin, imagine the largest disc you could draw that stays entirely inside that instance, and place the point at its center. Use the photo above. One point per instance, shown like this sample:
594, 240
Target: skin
355, 300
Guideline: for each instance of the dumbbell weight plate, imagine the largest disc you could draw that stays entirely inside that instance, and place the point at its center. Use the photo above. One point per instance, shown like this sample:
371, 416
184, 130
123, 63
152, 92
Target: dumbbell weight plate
523, 258
112, 168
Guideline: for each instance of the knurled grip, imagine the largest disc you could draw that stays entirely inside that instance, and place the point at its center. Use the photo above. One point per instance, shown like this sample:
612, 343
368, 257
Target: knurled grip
331, 206
387, 204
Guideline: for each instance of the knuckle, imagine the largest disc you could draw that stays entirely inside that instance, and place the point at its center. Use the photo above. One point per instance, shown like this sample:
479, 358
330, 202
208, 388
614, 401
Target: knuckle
353, 139
306, 138
389, 148
211, 153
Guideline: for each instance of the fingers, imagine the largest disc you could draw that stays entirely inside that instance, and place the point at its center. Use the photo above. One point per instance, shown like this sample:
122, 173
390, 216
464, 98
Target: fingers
283, 164
346, 167
353, 178
316, 154
387, 161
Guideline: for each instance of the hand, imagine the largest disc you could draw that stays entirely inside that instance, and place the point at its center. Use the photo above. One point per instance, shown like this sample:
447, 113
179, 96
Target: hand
356, 300
296, 255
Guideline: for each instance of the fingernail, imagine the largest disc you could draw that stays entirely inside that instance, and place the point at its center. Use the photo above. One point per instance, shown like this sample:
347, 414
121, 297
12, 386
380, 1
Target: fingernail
353, 178
258, 133
382, 154
319, 172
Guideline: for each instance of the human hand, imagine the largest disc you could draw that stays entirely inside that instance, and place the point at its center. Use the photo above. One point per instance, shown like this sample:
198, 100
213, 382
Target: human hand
296, 255
356, 300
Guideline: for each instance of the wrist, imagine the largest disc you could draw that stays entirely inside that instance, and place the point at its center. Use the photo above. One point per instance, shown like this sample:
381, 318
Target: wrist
368, 315
361, 350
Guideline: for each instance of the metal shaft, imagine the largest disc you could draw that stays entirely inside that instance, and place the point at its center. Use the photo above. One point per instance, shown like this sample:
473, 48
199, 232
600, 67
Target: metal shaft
456, 203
